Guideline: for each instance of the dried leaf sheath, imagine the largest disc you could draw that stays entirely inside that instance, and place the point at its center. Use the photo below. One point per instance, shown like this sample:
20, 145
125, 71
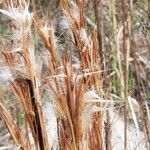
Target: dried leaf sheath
24, 91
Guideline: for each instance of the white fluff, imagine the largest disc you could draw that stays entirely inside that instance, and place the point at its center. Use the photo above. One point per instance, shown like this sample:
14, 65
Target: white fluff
51, 122
75, 12
135, 139
92, 97
62, 23
85, 39
21, 34
5, 76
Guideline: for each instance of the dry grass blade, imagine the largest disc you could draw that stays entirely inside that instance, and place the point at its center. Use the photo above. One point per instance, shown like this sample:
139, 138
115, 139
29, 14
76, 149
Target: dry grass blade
130, 101
98, 16
16, 134
48, 37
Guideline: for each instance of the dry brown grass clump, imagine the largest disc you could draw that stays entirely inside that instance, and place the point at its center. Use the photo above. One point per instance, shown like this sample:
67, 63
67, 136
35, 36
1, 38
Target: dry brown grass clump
73, 86
63, 88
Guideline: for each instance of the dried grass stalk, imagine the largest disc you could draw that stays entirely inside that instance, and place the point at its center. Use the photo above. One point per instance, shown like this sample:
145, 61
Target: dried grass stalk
13, 129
